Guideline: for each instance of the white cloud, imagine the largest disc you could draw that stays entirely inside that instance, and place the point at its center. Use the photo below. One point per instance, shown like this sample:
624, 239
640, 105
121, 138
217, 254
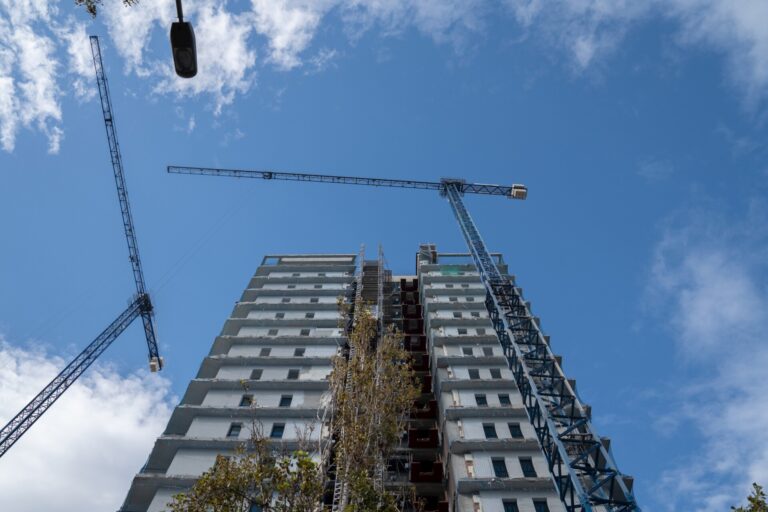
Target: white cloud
37, 39
225, 58
736, 29
591, 30
80, 62
708, 281
655, 169
132, 28
289, 26
442, 20
322, 60
588, 30
82, 454
28, 74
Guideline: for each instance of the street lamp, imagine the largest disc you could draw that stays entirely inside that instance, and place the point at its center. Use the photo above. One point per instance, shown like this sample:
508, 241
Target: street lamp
183, 46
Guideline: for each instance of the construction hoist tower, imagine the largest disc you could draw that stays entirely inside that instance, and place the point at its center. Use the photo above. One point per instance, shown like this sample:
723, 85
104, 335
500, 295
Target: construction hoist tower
579, 466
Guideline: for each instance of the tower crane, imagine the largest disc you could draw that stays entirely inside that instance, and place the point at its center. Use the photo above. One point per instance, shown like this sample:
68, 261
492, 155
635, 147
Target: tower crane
140, 305
582, 468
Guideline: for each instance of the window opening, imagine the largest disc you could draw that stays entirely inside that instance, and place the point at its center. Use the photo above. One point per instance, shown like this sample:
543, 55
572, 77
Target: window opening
234, 430
526, 464
499, 468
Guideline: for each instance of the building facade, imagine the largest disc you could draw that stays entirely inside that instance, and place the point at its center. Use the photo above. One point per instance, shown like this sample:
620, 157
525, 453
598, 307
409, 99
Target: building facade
468, 446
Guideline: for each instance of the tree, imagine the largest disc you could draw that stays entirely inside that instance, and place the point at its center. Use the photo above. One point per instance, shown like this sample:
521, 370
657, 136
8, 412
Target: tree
757, 501
373, 390
92, 5
257, 474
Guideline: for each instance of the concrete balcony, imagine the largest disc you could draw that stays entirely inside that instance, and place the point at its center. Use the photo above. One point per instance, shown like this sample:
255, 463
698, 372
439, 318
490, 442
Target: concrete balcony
462, 360
489, 338
462, 446
251, 294
233, 325
211, 364
260, 280
166, 447
223, 344
428, 280
457, 412
471, 485
447, 385
243, 308
146, 484
198, 388
183, 415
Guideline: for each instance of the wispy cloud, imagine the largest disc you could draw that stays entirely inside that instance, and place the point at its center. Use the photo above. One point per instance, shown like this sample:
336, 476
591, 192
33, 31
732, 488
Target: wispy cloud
29, 89
709, 283
39, 36
82, 454
653, 169
590, 31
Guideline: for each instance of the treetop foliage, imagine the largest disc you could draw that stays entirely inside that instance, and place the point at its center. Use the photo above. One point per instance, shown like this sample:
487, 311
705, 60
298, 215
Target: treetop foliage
757, 501
91, 6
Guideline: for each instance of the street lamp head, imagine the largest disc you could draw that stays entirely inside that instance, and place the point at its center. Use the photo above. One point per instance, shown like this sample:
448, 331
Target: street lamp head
184, 49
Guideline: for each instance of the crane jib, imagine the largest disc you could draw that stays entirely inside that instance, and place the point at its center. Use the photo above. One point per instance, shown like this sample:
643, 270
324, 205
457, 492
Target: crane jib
512, 192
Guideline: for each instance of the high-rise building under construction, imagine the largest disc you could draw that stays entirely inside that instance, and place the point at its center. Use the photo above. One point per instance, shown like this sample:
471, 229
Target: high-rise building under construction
470, 444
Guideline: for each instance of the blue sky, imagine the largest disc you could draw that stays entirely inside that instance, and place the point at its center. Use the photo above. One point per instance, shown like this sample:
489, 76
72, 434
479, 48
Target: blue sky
639, 128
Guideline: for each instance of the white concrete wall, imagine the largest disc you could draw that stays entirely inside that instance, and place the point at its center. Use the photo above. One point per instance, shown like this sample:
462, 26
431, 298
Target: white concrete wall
492, 501
317, 332
188, 461
296, 300
462, 373
304, 286
318, 372
477, 349
467, 397
473, 427
262, 398
295, 315
443, 299
448, 314
451, 273
213, 427
484, 467
284, 351
162, 498
450, 331
308, 274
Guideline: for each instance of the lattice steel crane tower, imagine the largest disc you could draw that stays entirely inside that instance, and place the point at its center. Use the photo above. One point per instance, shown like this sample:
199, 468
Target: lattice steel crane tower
140, 305
581, 465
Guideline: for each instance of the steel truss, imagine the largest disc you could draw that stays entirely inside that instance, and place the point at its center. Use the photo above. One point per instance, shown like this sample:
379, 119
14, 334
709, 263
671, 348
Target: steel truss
466, 188
156, 361
16, 428
584, 471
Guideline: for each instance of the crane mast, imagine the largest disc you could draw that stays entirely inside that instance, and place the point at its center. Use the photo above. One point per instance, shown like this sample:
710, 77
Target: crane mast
582, 468
155, 361
584, 471
140, 305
